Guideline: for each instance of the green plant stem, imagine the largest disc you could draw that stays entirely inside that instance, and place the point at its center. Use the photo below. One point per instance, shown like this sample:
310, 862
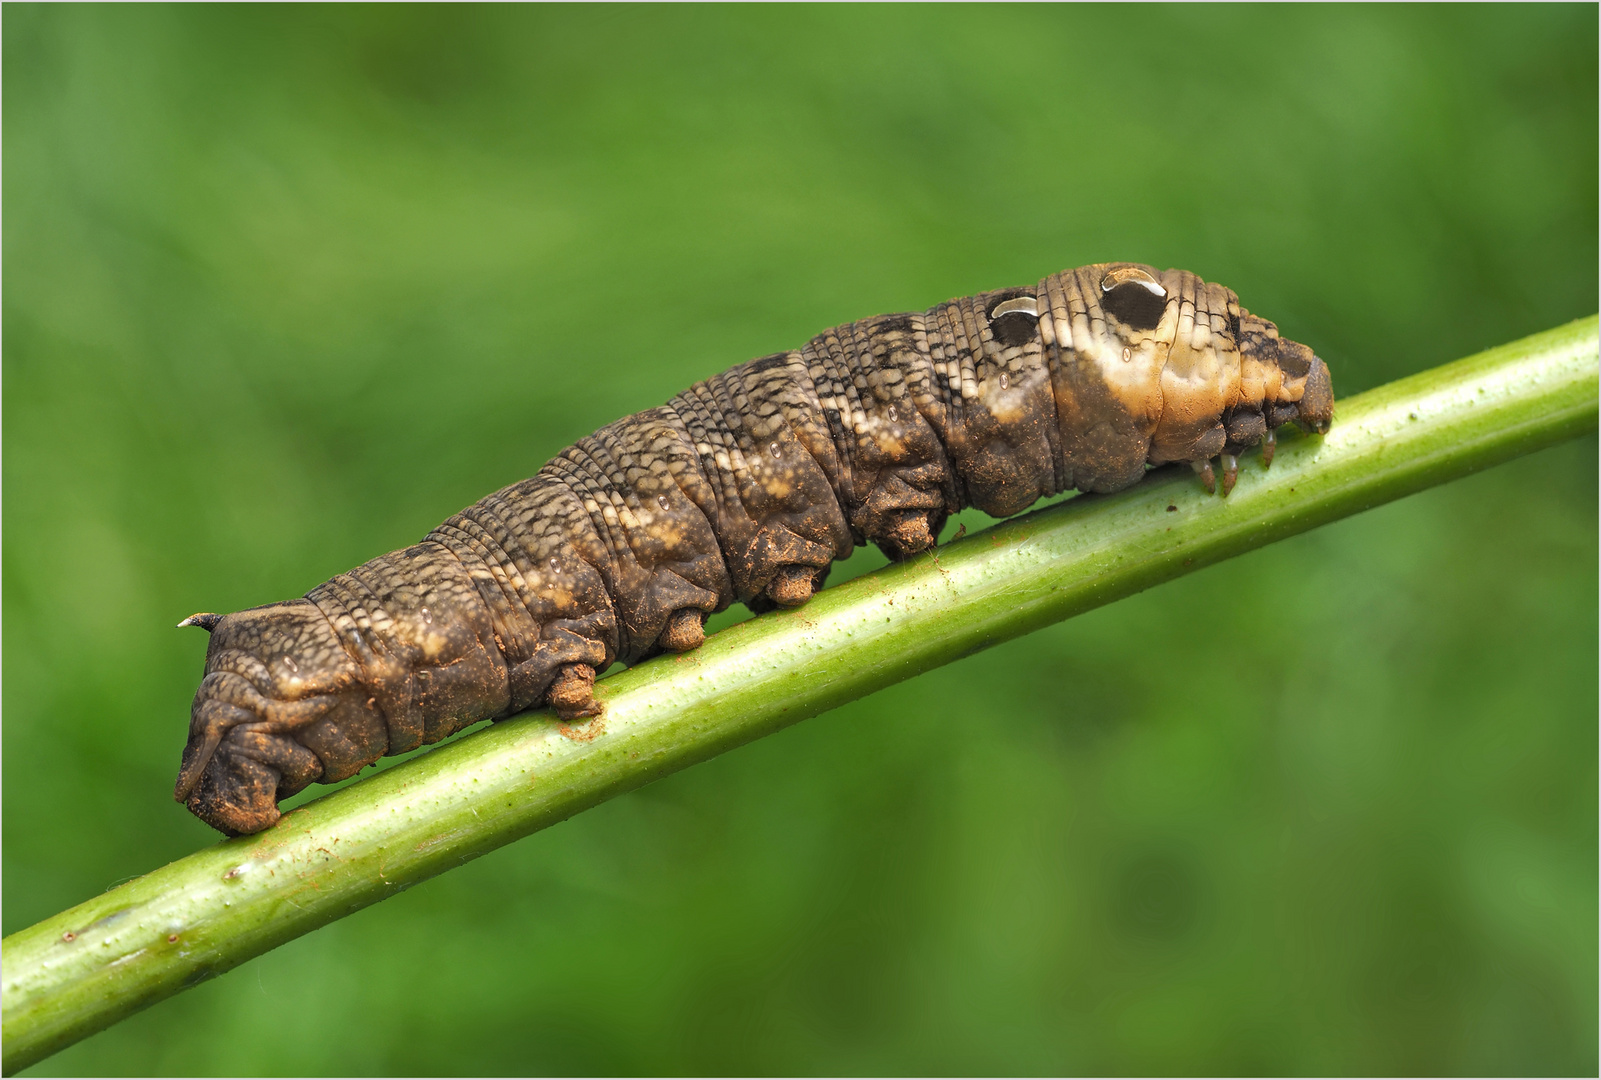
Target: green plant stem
89, 967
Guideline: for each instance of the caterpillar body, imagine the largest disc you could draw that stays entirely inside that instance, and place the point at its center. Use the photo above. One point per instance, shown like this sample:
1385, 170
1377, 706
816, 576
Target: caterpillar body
745, 487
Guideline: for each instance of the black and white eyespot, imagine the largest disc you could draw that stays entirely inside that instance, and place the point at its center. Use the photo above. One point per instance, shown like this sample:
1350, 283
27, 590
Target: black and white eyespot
1015, 321
1133, 297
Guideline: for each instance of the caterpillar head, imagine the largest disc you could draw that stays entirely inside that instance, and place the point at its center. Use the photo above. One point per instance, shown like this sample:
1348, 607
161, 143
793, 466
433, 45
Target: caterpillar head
1315, 411
279, 707
1302, 392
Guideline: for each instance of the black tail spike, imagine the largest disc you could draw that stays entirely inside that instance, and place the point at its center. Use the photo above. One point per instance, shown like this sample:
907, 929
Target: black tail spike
206, 620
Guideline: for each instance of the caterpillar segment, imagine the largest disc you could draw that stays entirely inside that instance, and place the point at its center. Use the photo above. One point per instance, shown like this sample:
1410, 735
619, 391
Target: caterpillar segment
744, 488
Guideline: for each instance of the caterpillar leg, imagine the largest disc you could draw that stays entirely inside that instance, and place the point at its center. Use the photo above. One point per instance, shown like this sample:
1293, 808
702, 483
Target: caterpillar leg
240, 792
1228, 464
686, 629
226, 701
903, 519
572, 695
1231, 472
792, 585
913, 531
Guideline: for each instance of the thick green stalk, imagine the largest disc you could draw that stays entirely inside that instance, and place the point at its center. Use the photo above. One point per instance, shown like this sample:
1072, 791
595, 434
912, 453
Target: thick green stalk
86, 968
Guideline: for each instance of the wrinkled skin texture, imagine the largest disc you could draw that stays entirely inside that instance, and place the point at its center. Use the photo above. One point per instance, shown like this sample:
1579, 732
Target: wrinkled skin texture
745, 487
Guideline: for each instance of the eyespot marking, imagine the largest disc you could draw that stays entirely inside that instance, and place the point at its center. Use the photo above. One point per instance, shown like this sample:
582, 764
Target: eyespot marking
1028, 305
1133, 297
1016, 321
1132, 275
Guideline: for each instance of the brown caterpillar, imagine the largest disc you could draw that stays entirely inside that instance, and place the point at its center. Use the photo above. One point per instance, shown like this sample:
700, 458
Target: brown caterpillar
745, 487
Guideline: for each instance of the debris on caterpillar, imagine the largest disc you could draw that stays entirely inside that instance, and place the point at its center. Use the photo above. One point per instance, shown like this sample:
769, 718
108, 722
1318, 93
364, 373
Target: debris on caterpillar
746, 487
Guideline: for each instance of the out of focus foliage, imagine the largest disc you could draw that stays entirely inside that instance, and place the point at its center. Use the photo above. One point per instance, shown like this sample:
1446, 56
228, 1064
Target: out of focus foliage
284, 287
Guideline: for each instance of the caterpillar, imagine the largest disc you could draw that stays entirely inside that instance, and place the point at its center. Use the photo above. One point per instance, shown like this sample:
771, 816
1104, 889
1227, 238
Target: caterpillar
745, 487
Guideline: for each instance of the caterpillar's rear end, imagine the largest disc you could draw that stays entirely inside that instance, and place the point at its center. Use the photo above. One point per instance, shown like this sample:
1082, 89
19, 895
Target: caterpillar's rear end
746, 487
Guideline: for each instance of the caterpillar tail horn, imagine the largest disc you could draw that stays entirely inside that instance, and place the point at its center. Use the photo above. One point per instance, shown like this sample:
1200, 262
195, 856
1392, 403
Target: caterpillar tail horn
206, 620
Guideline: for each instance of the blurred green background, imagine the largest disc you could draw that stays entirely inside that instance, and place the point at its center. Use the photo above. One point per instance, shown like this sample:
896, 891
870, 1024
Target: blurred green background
285, 287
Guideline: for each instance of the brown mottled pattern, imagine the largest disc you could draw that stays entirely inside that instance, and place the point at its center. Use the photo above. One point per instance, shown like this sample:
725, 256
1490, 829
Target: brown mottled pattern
745, 487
